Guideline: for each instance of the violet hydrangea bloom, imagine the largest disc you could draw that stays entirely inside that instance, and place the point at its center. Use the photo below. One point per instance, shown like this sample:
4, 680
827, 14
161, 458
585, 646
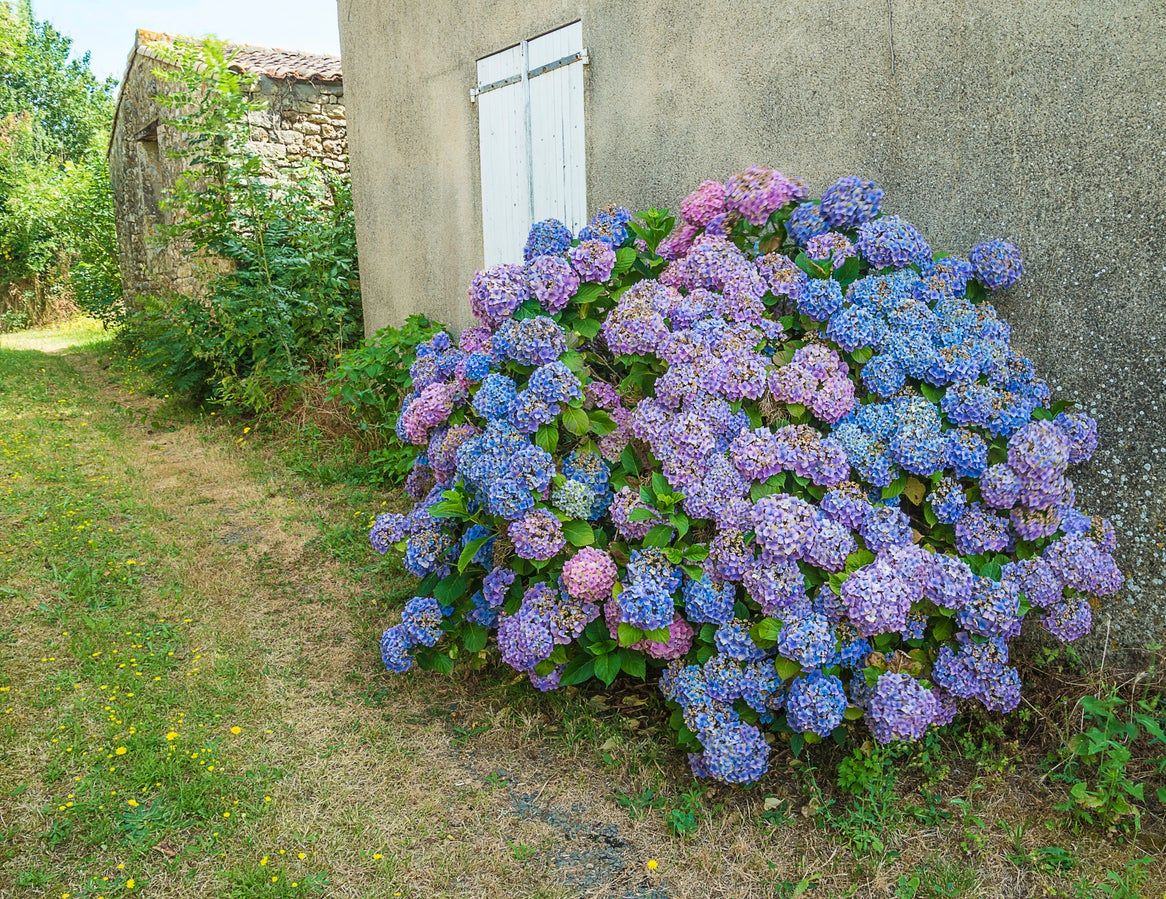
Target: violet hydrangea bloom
593, 260
552, 281
497, 292
900, 708
996, 263
537, 536
850, 201
704, 204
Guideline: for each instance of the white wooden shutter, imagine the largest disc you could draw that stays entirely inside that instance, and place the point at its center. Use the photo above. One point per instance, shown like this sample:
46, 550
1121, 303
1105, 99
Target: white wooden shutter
530, 133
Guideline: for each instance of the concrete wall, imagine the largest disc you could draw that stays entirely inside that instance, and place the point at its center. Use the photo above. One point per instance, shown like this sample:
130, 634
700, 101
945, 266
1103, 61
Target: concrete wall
1040, 120
303, 121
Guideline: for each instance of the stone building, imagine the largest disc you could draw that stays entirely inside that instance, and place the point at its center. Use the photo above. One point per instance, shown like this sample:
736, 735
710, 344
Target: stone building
303, 120
1038, 120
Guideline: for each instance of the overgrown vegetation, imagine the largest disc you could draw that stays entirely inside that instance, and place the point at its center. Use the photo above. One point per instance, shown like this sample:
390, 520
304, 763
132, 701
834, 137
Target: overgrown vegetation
278, 331
285, 300
58, 246
272, 646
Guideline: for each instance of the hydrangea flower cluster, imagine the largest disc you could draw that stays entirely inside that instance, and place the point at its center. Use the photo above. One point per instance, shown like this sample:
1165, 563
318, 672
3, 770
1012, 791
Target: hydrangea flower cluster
777, 455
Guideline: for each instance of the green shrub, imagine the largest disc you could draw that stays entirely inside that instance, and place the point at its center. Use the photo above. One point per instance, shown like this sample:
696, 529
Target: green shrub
13, 321
1120, 751
164, 337
370, 381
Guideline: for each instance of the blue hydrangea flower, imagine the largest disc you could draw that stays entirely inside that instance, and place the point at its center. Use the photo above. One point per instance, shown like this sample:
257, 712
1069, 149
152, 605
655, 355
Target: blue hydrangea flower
646, 606
732, 639
815, 703
608, 225
804, 222
807, 640
892, 242
550, 237
395, 648
820, 299
495, 397
850, 201
707, 602
997, 264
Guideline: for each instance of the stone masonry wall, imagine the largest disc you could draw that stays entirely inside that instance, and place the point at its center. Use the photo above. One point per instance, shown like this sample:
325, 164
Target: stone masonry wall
303, 122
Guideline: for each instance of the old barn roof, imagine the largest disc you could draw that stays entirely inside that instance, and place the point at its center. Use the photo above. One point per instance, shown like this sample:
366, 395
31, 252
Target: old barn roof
270, 61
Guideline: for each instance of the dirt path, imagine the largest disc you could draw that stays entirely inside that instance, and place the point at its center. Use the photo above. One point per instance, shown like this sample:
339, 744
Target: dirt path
410, 786
360, 775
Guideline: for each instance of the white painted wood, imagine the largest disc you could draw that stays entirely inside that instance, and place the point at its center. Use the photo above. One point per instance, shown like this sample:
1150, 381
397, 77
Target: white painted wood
532, 142
504, 158
558, 162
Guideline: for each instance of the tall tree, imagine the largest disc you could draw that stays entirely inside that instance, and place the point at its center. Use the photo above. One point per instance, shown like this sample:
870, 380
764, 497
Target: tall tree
39, 77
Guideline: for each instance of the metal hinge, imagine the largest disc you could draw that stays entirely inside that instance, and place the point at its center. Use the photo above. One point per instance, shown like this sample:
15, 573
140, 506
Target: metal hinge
582, 56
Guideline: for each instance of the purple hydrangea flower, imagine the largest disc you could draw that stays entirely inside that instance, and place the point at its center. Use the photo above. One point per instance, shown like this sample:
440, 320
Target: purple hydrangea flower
552, 281
783, 524
900, 708
593, 260
757, 193
589, 574
704, 204
538, 535
1069, 620
497, 292
878, 599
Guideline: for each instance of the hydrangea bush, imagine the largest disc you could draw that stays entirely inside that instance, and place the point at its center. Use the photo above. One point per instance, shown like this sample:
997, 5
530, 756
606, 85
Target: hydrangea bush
777, 457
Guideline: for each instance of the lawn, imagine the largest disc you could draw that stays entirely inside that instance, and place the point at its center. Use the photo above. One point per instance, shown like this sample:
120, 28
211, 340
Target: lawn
191, 705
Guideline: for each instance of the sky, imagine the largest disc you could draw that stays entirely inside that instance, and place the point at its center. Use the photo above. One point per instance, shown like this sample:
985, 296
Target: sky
106, 27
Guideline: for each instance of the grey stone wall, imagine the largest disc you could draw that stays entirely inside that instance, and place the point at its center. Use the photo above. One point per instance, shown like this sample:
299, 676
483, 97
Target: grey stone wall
1039, 120
303, 121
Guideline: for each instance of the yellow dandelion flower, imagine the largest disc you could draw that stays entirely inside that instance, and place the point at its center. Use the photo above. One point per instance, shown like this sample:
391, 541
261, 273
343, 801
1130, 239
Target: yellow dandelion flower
652, 864
130, 884
172, 735
121, 750
236, 730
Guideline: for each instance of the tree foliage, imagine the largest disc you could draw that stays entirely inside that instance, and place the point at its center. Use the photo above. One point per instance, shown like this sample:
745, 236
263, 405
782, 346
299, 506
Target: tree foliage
56, 209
